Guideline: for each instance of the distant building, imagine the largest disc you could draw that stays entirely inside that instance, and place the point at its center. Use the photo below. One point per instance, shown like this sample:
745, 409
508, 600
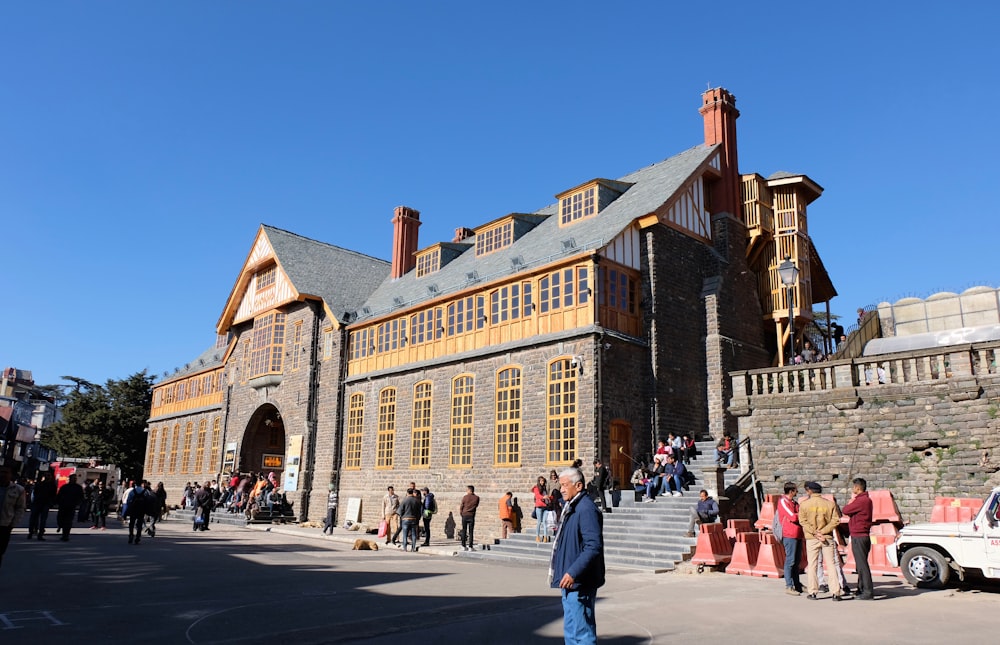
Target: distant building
24, 412
585, 329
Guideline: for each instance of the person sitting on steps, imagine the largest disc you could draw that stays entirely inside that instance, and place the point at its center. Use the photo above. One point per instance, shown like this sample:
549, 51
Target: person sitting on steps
725, 451
706, 512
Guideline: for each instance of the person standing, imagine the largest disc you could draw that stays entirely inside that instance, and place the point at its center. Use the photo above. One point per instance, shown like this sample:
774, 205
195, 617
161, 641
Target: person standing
136, 512
791, 537
67, 499
819, 519
100, 502
42, 496
153, 505
409, 515
331, 511
577, 565
430, 508
603, 477
506, 514
859, 510
390, 504
467, 509
203, 504
542, 503
12, 500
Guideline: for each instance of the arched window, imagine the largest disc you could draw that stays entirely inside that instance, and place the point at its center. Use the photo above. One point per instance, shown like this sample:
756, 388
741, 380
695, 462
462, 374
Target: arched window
151, 450
199, 453
420, 448
355, 425
560, 445
162, 461
508, 418
173, 448
462, 396
386, 427
216, 445
186, 457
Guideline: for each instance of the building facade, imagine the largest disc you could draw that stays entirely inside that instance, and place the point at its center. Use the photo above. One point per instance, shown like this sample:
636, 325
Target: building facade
586, 329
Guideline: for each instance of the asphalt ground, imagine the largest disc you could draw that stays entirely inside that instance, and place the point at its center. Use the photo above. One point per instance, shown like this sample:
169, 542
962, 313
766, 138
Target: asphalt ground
294, 585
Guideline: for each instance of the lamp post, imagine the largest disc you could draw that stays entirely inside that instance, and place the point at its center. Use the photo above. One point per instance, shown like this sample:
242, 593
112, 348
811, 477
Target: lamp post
789, 273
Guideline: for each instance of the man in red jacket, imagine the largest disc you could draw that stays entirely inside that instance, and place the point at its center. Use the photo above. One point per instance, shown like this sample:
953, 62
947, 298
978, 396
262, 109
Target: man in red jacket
859, 510
791, 537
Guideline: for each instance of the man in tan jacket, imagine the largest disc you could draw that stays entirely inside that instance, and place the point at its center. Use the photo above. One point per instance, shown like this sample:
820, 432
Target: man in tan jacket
819, 519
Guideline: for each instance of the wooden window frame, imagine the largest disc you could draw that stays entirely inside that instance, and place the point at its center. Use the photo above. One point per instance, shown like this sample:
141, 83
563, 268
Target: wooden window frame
216, 444
164, 436
174, 445
266, 278
561, 439
385, 443
507, 432
267, 351
327, 343
355, 432
420, 445
186, 454
428, 262
580, 205
494, 238
463, 398
151, 450
199, 453
296, 345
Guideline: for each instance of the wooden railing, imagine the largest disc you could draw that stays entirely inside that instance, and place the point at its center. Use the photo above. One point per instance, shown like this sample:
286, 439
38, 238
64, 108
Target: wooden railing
904, 368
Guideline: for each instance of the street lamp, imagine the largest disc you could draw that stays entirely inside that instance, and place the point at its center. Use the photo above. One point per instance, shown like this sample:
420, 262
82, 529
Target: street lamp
789, 273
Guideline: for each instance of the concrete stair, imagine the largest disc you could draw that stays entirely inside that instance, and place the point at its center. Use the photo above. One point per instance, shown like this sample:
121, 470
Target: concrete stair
637, 535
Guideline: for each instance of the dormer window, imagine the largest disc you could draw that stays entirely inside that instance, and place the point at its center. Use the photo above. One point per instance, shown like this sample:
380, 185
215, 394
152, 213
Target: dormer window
429, 261
266, 277
494, 238
578, 205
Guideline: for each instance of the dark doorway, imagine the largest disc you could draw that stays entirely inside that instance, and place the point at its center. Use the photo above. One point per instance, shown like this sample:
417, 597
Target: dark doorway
263, 448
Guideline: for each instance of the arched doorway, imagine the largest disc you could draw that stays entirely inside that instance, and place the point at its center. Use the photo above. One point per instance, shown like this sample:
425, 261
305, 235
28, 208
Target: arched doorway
621, 443
263, 448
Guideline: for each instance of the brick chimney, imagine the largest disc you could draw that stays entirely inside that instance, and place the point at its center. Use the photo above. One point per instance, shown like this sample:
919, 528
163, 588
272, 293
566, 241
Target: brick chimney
462, 233
719, 111
404, 240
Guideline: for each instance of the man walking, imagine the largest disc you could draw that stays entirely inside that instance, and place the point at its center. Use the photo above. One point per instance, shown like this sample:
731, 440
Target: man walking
67, 499
203, 505
136, 513
603, 482
577, 566
791, 537
859, 510
42, 496
11, 507
819, 518
467, 509
409, 515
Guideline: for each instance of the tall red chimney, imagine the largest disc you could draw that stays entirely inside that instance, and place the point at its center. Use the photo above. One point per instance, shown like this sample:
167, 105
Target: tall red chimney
719, 111
404, 240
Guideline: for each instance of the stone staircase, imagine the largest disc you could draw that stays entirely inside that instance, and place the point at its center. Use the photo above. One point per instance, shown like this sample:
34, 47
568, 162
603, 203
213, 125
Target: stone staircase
637, 535
221, 517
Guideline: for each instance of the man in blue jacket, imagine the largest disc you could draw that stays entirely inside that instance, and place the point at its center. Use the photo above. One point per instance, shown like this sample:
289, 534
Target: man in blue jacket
577, 566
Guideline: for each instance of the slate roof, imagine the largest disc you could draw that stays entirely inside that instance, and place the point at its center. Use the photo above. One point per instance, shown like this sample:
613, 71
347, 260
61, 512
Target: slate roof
211, 357
652, 186
342, 278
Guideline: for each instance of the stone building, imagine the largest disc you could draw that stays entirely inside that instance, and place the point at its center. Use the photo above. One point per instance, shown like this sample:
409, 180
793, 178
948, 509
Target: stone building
585, 329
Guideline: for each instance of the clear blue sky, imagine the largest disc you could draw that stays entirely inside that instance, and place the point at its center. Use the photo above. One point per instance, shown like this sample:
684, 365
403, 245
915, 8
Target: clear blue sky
142, 143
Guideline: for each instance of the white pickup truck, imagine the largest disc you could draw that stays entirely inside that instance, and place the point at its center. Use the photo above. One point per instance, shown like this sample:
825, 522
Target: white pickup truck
928, 553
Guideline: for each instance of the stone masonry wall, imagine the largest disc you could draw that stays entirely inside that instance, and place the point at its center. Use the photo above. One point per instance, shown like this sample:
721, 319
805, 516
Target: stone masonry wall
918, 440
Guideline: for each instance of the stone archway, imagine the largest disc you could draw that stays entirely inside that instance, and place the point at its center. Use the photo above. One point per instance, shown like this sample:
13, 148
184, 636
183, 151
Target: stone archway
263, 447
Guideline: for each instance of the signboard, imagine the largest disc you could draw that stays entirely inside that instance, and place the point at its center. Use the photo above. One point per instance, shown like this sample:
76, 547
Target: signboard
272, 462
292, 459
353, 510
229, 460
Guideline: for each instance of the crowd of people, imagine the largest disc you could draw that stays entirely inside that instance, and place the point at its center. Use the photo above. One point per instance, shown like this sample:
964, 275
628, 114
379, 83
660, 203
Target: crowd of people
411, 516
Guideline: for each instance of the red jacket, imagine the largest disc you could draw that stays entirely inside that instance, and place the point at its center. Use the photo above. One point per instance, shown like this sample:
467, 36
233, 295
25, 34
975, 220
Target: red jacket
788, 513
860, 513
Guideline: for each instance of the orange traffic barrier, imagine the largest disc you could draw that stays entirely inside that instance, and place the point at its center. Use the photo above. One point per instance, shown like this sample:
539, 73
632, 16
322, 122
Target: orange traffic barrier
955, 509
770, 558
713, 546
736, 526
884, 507
744, 554
766, 513
882, 535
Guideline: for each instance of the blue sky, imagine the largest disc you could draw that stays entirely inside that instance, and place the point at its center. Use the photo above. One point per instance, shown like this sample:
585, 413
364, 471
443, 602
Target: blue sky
142, 143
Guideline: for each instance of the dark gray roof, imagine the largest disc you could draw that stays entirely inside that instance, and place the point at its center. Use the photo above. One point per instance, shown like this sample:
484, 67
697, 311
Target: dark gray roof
342, 278
211, 357
653, 186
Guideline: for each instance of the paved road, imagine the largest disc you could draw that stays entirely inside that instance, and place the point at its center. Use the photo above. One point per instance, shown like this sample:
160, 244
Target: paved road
289, 585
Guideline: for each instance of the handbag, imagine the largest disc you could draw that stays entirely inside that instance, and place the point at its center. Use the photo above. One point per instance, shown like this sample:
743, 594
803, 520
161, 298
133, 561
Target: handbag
199, 517
534, 513
383, 528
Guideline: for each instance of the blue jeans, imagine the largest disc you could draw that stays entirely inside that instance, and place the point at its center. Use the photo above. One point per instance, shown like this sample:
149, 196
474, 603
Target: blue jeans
793, 552
579, 621
723, 456
410, 531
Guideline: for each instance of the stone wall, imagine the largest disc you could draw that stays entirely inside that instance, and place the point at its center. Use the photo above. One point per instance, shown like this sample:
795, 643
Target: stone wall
919, 440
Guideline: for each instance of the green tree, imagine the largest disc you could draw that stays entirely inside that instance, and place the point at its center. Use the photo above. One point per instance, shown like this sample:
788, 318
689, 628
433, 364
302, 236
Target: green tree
107, 422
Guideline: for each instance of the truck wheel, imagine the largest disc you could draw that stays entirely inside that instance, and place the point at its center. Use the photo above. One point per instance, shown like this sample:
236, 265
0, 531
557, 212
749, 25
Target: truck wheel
924, 567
